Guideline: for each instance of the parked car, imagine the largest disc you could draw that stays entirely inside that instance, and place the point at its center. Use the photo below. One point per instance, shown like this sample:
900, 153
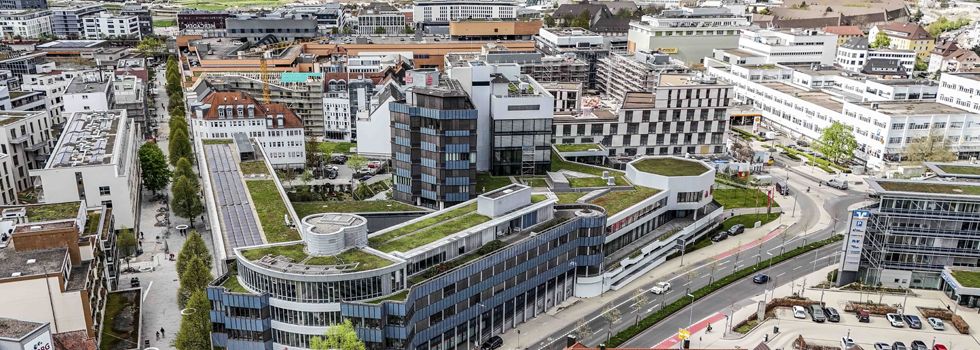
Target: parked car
660, 288
899, 346
720, 236
736, 229
365, 177
836, 183
338, 158
913, 321
816, 313
782, 188
895, 320
938, 346
832, 314
846, 343
799, 312
493, 343
918, 345
882, 346
760, 278
863, 316
936, 323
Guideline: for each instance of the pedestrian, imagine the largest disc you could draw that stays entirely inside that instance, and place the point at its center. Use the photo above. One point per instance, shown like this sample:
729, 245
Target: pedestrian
163, 333
158, 335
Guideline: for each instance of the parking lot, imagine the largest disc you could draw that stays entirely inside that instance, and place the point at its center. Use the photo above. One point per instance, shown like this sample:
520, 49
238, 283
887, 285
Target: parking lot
863, 334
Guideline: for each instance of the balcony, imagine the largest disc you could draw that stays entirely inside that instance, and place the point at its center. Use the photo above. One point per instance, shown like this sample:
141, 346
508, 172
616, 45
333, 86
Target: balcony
19, 139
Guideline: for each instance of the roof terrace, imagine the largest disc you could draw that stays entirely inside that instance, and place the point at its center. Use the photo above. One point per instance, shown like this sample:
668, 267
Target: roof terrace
670, 166
294, 258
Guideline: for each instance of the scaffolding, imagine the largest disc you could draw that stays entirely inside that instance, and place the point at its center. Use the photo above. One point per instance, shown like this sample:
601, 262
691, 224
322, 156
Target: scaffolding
527, 160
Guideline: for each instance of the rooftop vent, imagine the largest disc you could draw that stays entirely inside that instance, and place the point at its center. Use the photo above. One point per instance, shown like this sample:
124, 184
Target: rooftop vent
31, 261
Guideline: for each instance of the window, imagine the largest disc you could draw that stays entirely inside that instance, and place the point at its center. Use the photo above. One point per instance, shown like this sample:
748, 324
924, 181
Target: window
103, 190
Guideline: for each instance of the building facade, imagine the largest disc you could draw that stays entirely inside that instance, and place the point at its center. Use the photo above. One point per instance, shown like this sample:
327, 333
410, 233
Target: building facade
30, 24
25, 139
23, 4
585, 45
284, 27
142, 14
906, 36
68, 22
687, 34
620, 74
445, 11
303, 92
855, 55
108, 26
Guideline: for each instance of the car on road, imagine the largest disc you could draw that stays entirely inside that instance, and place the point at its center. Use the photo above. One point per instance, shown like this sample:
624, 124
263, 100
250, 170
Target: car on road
936, 324
847, 343
918, 345
895, 320
493, 343
365, 177
836, 183
720, 236
913, 321
832, 314
863, 316
736, 229
899, 346
816, 313
760, 278
799, 312
882, 346
660, 288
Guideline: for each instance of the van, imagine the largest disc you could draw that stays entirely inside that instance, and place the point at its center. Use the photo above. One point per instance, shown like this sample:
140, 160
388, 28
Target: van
782, 188
837, 183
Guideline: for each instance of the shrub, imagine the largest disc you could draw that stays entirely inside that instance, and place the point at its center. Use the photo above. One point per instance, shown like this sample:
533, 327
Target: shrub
832, 276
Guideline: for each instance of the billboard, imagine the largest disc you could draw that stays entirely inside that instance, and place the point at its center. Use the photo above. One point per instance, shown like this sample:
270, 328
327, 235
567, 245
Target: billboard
854, 242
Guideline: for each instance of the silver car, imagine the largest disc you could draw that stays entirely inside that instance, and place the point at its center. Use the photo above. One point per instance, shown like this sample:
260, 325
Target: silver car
895, 320
936, 323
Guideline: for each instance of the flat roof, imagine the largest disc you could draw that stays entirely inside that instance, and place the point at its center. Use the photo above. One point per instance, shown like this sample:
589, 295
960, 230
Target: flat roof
87, 84
597, 115
429, 229
235, 212
71, 44
741, 53
670, 166
16, 329
686, 80
929, 187
903, 108
968, 170
639, 100
819, 98
15, 263
89, 138
295, 259
616, 201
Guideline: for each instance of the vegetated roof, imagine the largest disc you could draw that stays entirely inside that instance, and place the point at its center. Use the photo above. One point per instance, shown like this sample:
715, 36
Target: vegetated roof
430, 229
968, 279
52, 211
670, 166
297, 253
960, 169
617, 201
931, 187
577, 147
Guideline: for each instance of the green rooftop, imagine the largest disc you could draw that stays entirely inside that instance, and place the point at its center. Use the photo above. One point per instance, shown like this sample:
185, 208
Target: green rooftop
53, 211
400, 296
617, 201
931, 187
960, 169
578, 147
297, 253
271, 211
670, 166
254, 167
968, 279
304, 209
231, 283
428, 230
92, 222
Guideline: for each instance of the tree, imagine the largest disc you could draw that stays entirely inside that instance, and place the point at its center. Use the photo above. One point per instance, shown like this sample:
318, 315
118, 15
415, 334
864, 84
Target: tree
153, 166
195, 326
348, 31
150, 46
583, 20
764, 11
612, 315
126, 241
582, 330
356, 162
306, 177
920, 65
194, 247
342, 336
549, 21
195, 279
943, 24
180, 146
184, 169
334, 31
409, 30
881, 41
930, 148
837, 142
186, 201
380, 30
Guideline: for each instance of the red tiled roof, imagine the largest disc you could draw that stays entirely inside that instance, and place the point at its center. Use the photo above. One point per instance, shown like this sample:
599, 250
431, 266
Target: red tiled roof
911, 30
844, 30
238, 98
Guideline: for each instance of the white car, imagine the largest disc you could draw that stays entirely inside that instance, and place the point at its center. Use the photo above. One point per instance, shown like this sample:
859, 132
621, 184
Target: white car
895, 320
846, 343
799, 312
936, 323
660, 288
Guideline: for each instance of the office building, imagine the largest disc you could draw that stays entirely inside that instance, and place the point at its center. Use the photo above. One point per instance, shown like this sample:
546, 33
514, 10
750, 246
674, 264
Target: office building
329, 16
25, 24
142, 14
494, 29
375, 120
441, 12
948, 56
856, 56
619, 74
794, 46
568, 96
906, 36
379, 18
23, 4
585, 45
687, 34
284, 27
108, 26
198, 21
565, 67
95, 162
434, 142
685, 114
68, 22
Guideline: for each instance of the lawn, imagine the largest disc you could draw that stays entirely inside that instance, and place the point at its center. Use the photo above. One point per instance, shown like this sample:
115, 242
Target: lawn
216, 141
538, 197
271, 210
327, 147
535, 182
426, 235
960, 169
577, 147
670, 167
587, 182
926, 187
295, 252
825, 165
55, 211
164, 23
747, 326
304, 209
231, 283
254, 167
400, 296
225, 4
748, 220
486, 183
968, 279
732, 198
365, 261
92, 222
617, 201
558, 164
121, 309
569, 197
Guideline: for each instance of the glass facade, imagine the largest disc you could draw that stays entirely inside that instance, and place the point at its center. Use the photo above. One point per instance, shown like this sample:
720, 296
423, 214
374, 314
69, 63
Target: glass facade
316, 292
521, 146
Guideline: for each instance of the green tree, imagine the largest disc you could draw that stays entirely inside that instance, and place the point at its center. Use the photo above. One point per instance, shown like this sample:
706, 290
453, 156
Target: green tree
356, 162
881, 41
150, 46
583, 20
380, 30
342, 336
195, 326
184, 169
408, 30
837, 142
920, 65
186, 199
764, 11
348, 31
549, 21
195, 279
153, 167
194, 247
126, 241
943, 24
180, 146
930, 148
334, 31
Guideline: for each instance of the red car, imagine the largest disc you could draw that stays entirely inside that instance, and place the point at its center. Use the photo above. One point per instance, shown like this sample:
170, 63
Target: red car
939, 347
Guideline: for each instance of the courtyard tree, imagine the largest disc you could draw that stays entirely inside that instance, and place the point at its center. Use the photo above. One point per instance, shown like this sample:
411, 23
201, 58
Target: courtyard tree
126, 241
195, 279
549, 21
153, 166
185, 170
180, 146
881, 41
195, 324
930, 148
194, 247
150, 46
186, 200
342, 336
837, 142
356, 161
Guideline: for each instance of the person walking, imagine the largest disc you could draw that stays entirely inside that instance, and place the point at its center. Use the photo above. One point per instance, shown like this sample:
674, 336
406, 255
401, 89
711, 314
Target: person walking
163, 333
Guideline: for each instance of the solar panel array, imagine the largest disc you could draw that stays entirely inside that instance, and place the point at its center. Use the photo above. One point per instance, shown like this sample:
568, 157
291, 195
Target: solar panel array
87, 140
238, 224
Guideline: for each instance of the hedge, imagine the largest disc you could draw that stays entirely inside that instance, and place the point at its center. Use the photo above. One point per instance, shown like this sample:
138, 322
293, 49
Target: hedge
671, 308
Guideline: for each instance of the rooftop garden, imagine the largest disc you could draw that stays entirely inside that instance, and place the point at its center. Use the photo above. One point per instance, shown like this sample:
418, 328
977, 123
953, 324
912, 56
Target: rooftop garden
428, 230
297, 253
732, 198
535, 181
486, 183
968, 279
254, 167
216, 141
304, 209
960, 169
587, 182
400, 296
92, 222
558, 164
54, 211
538, 197
670, 166
218, 5
271, 211
120, 322
617, 201
231, 283
441, 268
930, 187
569, 197
577, 147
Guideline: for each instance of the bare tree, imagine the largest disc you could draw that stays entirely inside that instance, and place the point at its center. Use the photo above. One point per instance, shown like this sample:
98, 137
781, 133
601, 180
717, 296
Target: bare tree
583, 330
931, 148
612, 315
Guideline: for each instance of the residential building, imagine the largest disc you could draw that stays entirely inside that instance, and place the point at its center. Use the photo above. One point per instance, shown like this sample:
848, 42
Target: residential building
441, 12
95, 162
302, 91
129, 93
949, 57
28, 101
816, 14
564, 67
584, 44
54, 85
845, 33
494, 29
109, 26
25, 334
25, 139
620, 74
793, 46
375, 120
25, 24
856, 56
68, 22
687, 34
685, 114
30, 63
222, 114
89, 92
23, 4
142, 14
284, 27
378, 17
961, 90
906, 36
8, 193
337, 122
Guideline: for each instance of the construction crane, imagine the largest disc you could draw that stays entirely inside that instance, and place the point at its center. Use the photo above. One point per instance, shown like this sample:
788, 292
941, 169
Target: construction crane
264, 69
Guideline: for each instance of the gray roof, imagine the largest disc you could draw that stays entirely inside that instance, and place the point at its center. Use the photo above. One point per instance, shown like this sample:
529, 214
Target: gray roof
235, 212
17, 329
858, 43
32, 262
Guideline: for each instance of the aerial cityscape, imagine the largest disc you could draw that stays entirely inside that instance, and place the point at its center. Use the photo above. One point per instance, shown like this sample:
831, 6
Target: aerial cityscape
490, 174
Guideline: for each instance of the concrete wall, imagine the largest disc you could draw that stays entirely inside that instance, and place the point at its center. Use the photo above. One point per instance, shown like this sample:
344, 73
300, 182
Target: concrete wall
29, 300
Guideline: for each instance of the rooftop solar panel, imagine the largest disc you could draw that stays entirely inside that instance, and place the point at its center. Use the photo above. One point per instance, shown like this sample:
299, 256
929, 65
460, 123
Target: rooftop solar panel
238, 224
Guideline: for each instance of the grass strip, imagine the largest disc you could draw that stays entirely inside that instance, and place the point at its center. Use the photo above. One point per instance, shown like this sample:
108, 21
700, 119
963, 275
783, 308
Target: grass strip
733, 198
271, 210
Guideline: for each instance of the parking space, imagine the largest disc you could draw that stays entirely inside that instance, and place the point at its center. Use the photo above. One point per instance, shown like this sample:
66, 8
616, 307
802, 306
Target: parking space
863, 334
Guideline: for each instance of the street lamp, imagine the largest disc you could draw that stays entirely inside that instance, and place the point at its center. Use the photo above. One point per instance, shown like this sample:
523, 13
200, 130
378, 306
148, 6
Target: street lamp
691, 317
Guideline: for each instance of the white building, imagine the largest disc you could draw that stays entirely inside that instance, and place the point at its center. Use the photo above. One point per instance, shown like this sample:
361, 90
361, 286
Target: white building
54, 85
640, 72
25, 24
445, 11
221, 114
25, 137
568, 95
961, 90
948, 56
374, 122
89, 92
855, 55
107, 26
766, 46
688, 34
95, 161
379, 15
337, 117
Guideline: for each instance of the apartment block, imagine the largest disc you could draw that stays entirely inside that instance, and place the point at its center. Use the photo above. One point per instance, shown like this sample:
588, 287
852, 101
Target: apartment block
583, 44
302, 92
68, 22
108, 26
906, 36
445, 11
24, 137
688, 34
25, 24
856, 56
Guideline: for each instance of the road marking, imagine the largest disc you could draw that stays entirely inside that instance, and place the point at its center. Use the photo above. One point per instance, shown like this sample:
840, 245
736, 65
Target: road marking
147, 292
781, 274
797, 268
